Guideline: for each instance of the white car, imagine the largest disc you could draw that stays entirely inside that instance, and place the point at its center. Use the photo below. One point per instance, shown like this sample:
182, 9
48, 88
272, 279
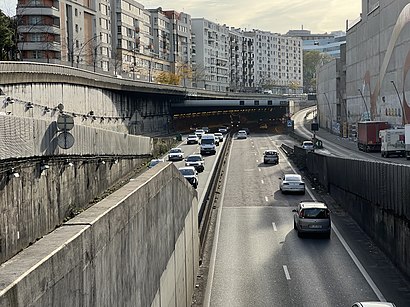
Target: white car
175, 154
192, 139
219, 136
199, 133
308, 145
373, 304
222, 130
196, 161
292, 183
241, 134
190, 174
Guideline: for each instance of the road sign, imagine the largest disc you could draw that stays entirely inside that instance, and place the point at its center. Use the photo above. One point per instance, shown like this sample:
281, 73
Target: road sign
289, 123
65, 140
65, 122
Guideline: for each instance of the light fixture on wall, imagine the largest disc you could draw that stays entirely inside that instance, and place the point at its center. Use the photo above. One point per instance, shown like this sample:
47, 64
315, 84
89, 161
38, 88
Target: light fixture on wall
114, 161
46, 110
44, 166
29, 105
101, 161
68, 163
13, 173
8, 101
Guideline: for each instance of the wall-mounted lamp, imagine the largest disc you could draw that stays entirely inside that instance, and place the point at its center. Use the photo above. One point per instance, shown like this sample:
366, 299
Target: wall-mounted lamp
46, 110
8, 101
114, 161
91, 113
44, 166
93, 118
85, 117
13, 173
1, 92
74, 115
101, 161
68, 163
29, 105
101, 119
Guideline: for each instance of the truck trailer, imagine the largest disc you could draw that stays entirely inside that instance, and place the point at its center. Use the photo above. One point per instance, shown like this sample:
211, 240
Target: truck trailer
368, 138
392, 142
407, 141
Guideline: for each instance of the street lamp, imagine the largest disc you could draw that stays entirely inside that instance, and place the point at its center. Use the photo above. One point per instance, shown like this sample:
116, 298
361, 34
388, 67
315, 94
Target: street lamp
364, 101
86, 43
401, 104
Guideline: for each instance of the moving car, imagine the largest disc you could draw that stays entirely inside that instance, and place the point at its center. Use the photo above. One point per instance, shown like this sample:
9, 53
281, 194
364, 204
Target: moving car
199, 133
222, 130
154, 162
241, 134
196, 161
292, 183
192, 139
190, 173
175, 154
308, 145
246, 130
373, 304
263, 126
208, 144
219, 136
270, 156
312, 217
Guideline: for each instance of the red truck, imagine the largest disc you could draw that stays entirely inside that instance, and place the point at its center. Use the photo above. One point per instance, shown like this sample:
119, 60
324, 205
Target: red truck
368, 135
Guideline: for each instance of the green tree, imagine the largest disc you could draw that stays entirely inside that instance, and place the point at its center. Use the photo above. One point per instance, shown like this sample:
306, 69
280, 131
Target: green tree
311, 60
8, 48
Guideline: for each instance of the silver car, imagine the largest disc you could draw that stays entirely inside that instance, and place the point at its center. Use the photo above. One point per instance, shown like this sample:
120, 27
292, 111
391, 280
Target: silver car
241, 134
197, 161
373, 304
292, 183
312, 217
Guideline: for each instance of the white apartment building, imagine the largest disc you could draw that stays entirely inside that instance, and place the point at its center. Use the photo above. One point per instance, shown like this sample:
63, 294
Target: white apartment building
278, 61
212, 54
237, 56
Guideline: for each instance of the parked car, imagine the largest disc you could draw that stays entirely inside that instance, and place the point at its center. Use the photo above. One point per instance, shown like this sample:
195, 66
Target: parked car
190, 174
241, 134
154, 162
175, 154
271, 156
192, 139
312, 217
373, 304
292, 183
219, 136
197, 161
308, 145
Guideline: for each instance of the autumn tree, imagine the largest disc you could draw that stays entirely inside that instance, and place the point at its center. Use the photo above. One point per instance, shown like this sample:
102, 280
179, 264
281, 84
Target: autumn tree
311, 60
166, 77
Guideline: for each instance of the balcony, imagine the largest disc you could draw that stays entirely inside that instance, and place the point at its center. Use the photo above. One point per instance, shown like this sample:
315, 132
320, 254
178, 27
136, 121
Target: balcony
43, 46
38, 11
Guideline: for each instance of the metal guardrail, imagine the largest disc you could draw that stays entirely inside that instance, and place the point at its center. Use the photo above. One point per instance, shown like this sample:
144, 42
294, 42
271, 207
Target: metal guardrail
287, 149
206, 206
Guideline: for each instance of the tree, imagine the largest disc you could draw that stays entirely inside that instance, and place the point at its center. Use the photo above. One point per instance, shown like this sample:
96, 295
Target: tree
8, 48
312, 59
166, 77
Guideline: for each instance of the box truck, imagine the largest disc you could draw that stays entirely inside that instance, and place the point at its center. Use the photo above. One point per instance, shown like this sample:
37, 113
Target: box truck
392, 142
407, 140
368, 135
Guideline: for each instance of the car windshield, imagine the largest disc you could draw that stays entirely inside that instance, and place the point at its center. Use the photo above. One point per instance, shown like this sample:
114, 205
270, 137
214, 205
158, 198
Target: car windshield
193, 158
315, 213
192, 136
175, 150
293, 178
207, 141
187, 172
218, 134
308, 143
271, 153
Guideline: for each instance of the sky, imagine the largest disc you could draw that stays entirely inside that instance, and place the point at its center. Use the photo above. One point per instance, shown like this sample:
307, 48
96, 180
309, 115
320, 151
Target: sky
278, 16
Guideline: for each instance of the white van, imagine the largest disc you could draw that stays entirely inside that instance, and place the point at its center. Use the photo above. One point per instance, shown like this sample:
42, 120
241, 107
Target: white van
208, 144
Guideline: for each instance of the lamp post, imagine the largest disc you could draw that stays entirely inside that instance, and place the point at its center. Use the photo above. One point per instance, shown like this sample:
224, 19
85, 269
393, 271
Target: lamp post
82, 47
364, 101
401, 103
331, 113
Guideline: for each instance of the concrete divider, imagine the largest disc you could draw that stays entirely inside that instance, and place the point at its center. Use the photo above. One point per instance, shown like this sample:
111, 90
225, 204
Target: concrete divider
137, 247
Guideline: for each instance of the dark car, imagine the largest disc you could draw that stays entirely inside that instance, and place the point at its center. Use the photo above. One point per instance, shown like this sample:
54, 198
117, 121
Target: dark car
271, 156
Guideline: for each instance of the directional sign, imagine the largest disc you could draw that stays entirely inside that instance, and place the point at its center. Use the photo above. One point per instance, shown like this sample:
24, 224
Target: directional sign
65, 140
65, 122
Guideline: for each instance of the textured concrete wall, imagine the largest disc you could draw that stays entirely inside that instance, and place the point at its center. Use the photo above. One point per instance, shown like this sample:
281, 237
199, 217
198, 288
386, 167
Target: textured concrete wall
327, 96
137, 247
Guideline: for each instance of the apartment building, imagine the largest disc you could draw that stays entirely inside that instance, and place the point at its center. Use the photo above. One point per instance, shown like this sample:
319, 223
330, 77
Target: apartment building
236, 62
212, 54
64, 31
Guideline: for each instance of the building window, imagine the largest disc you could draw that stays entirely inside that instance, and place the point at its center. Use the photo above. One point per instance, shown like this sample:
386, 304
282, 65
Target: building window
256, 102
76, 12
241, 102
76, 28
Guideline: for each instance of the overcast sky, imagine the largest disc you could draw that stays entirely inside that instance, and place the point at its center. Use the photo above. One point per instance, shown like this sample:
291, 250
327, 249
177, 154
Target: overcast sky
279, 16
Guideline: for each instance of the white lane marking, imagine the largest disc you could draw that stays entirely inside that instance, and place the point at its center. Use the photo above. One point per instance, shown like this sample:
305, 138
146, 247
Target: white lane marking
257, 161
262, 181
274, 227
259, 169
208, 290
255, 153
356, 261
266, 198
285, 269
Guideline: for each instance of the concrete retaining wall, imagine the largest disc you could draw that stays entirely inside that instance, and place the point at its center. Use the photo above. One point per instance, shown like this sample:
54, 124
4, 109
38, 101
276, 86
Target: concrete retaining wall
137, 247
